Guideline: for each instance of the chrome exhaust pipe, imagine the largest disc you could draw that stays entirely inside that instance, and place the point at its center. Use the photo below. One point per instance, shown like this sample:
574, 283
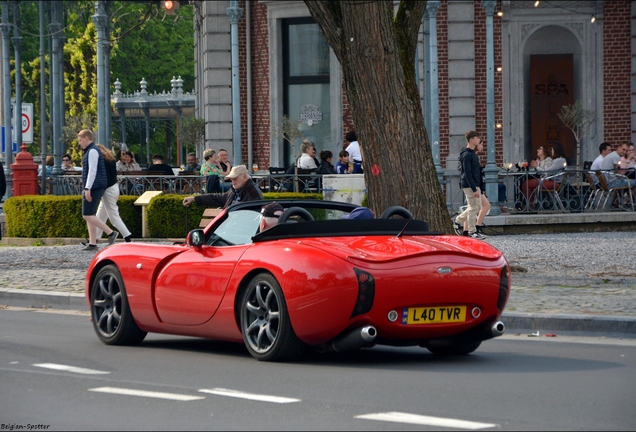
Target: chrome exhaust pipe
497, 329
354, 339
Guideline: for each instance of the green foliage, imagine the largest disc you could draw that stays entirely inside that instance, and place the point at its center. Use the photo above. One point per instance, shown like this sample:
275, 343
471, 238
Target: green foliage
289, 130
167, 216
40, 216
144, 44
365, 201
192, 131
43, 216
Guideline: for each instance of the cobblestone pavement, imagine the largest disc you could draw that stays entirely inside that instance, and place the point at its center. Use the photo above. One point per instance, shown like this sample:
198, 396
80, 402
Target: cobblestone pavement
542, 282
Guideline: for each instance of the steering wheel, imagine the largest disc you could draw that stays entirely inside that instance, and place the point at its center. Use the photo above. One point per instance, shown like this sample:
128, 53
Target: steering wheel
295, 211
396, 211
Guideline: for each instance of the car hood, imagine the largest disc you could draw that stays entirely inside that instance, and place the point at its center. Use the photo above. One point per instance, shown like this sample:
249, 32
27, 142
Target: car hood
385, 249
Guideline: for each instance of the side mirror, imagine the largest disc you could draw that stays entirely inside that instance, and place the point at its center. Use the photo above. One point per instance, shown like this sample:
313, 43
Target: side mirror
196, 238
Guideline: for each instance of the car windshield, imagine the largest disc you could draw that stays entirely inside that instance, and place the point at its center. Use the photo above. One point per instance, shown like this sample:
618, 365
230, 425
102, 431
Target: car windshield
238, 229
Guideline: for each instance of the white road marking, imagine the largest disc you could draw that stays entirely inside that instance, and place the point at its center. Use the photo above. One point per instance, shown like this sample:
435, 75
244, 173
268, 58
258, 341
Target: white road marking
144, 393
399, 417
250, 396
73, 369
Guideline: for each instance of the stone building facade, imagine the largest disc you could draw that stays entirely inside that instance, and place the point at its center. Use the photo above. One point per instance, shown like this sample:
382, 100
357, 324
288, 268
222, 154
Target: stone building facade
287, 69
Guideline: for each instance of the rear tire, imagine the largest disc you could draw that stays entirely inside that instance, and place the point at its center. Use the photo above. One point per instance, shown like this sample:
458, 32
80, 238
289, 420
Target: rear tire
455, 350
112, 320
267, 330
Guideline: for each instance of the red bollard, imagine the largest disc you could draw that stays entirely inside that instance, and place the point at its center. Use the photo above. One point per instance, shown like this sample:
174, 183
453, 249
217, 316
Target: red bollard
24, 173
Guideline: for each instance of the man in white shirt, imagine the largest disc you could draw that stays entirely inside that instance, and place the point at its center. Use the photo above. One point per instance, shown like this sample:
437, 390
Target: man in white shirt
355, 154
612, 163
604, 149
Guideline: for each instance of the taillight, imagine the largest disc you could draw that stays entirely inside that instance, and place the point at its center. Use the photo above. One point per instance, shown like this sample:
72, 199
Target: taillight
503, 288
366, 293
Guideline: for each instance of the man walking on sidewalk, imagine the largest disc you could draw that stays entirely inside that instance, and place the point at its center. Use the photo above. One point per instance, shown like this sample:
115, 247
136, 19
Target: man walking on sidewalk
95, 183
470, 180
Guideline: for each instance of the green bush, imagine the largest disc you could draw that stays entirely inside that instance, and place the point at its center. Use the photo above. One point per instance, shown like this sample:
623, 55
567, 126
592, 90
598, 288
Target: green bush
43, 216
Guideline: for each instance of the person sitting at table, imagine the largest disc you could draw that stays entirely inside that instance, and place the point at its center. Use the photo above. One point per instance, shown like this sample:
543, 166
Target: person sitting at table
158, 167
209, 169
612, 165
558, 164
631, 158
126, 161
306, 160
243, 189
224, 163
343, 166
192, 164
49, 162
67, 163
543, 160
325, 163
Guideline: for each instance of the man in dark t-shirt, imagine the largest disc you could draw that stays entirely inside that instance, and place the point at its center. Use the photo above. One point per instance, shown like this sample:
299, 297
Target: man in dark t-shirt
158, 167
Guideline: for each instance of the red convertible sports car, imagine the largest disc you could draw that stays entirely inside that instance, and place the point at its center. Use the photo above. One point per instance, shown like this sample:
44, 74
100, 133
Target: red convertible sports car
314, 280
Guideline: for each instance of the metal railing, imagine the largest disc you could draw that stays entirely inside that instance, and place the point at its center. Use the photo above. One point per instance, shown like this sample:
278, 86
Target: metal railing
569, 191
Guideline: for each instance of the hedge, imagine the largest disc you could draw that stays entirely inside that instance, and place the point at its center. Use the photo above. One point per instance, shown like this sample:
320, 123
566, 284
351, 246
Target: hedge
46, 216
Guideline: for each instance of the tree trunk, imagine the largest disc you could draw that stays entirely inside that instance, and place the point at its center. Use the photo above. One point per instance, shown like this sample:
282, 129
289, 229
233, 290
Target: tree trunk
376, 50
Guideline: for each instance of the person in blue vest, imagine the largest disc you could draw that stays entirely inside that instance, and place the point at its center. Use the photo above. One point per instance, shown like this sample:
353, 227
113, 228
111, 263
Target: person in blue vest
95, 184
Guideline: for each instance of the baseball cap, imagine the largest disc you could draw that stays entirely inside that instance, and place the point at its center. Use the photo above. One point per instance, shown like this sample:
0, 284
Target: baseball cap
237, 171
272, 210
360, 213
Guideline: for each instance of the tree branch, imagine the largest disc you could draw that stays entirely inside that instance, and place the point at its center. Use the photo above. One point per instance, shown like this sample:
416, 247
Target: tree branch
409, 19
331, 23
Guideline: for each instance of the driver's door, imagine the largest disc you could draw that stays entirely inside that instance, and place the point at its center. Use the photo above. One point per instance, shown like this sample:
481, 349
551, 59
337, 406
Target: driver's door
189, 289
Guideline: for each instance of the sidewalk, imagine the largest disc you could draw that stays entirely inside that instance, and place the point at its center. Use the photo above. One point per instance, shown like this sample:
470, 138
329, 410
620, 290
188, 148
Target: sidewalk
600, 303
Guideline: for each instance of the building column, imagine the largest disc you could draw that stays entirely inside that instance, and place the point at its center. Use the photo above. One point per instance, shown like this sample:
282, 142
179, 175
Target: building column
491, 171
235, 12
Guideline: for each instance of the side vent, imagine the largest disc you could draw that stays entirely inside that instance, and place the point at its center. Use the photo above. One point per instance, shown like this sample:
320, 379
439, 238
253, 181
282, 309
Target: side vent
366, 293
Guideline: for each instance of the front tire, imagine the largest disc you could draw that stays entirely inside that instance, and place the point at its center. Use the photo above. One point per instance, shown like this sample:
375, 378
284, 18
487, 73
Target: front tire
455, 350
112, 319
265, 324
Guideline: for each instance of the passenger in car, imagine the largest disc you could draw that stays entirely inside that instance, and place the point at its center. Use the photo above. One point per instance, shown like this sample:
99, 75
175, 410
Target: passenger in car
270, 212
360, 213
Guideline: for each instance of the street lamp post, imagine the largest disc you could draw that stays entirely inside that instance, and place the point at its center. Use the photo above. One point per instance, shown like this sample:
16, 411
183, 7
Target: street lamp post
491, 171
5, 27
100, 19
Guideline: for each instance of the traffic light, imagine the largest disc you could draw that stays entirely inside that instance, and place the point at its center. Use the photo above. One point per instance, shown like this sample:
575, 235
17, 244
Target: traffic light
170, 6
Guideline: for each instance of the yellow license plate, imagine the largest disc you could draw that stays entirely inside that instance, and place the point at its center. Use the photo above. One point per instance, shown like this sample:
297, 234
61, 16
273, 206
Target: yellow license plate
434, 315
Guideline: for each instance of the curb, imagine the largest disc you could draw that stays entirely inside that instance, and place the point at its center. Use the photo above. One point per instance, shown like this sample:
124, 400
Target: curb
575, 325
43, 299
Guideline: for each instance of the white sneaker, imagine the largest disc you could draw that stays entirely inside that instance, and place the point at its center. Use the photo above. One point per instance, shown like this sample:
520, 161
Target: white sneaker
477, 235
459, 229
